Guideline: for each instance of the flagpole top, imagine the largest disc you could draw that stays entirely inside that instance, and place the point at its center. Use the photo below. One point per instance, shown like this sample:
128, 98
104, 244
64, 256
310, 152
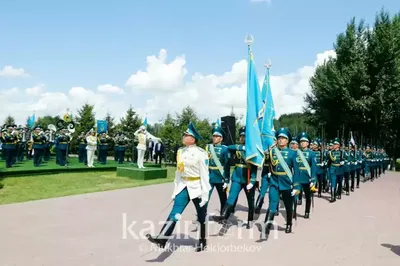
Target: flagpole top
249, 39
268, 64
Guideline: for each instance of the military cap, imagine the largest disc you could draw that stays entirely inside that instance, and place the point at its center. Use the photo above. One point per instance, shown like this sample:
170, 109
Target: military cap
10, 126
336, 141
217, 130
38, 127
242, 131
283, 132
303, 136
192, 131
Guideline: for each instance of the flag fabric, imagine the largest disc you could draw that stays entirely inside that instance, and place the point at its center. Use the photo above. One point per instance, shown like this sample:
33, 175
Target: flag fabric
267, 126
102, 126
352, 141
31, 121
254, 114
145, 122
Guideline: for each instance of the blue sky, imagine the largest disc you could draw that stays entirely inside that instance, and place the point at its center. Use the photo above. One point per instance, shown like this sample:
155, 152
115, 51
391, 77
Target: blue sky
86, 43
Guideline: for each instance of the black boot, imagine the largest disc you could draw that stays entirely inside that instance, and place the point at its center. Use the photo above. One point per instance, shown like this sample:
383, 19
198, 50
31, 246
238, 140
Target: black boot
250, 218
166, 232
333, 196
202, 241
226, 212
306, 215
259, 204
266, 229
288, 229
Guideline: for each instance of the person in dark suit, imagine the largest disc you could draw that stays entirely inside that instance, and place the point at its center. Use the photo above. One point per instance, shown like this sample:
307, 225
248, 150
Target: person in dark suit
158, 151
150, 150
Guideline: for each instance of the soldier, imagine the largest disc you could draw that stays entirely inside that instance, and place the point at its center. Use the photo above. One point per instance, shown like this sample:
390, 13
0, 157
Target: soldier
244, 177
38, 145
116, 150
284, 181
369, 160
319, 158
103, 148
9, 146
346, 168
358, 163
62, 150
46, 145
121, 148
308, 170
192, 183
335, 163
353, 165
219, 166
15, 151
91, 146
82, 153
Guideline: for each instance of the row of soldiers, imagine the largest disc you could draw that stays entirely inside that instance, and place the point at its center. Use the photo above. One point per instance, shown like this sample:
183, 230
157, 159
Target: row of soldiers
305, 167
104, 142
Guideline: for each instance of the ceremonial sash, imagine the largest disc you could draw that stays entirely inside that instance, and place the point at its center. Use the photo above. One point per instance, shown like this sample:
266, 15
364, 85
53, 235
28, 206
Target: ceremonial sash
216, 160
283, 163
304, 161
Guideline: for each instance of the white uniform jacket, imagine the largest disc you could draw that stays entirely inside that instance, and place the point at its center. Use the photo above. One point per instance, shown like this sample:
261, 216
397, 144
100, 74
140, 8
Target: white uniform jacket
192, 172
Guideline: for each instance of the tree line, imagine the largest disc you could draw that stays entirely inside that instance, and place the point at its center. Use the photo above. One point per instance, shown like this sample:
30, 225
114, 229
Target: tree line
359, 90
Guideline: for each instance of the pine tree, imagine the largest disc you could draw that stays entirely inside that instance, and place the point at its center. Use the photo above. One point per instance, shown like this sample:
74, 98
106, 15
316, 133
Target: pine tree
85, 119
110, 123
130, 123
9, 120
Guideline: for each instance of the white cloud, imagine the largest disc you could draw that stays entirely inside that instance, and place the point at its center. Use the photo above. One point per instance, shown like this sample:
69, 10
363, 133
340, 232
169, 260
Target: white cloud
9, 71
164, 88
108, 88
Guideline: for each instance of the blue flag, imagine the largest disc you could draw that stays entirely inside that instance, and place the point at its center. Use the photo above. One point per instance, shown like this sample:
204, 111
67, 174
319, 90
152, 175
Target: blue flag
102, 126
145, 122
267, 134
254, 147
31, 121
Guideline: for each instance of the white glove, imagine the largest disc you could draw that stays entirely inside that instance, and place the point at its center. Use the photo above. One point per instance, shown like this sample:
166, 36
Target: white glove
348, 163
224, 186
341, 163
294, 192
355, 163
311, 184
249, 186
244, 148
269, 174
203, 202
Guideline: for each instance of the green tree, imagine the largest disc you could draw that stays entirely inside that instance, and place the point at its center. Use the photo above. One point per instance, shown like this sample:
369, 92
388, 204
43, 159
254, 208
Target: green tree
128, 125
110, 123
85, 119
45, 121
9, 120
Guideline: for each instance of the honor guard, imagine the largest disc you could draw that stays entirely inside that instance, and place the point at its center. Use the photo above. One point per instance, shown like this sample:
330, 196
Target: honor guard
63, 141
38, 145
284, 181
319, 159
346, 168
244, 177
9, 145
121, 143
82, 154
192, 183
308, 170
353, 165
369, 160
116, 156
103, 148
358, 163
335, 163
219, 167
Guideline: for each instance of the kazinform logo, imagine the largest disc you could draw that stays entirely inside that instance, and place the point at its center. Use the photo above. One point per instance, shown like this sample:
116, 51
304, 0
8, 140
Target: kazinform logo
138, 230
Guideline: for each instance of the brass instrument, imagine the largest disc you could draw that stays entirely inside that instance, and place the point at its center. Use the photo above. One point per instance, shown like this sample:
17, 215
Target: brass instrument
24, 136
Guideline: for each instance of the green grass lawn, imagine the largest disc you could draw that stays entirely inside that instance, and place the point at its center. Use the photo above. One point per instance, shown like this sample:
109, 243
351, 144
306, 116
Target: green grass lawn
35, 187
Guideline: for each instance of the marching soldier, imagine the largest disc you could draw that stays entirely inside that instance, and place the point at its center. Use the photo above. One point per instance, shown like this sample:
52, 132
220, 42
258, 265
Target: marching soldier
284, 181
219, 167
353, 165
38, 145
62, 150
192, 183
244, 177
335, 163
369, 160
103, 148
82, 153
320, 161
308, 170
8, 138
346, 168
358, 163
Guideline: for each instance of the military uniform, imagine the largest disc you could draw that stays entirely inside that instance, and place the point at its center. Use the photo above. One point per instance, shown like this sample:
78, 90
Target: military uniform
353, 165
63, 141
359, 163
82, 154
9, 146
192, 183
284, 181
38, 146
346, 169
103, 148
335, 163
116, 150
369, 163
320, 171
219, 167
121, 148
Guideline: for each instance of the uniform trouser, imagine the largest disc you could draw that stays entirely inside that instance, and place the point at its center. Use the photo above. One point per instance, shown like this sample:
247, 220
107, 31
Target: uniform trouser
307, 192
380, 169
116, 156
82, 155
358, 174
46, 154
384, 167
90, 157
339, 184
352, 178
180, 203
157, 157
102, 157
14, 155
221, 194
20, 155
263, 192
37, 156
62, 157
236, 187
321, 183
288, 201
8, 156
121, 156
372, 172
347, 181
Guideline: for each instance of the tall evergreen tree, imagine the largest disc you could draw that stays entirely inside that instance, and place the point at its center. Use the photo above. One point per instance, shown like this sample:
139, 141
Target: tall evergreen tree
85, 119
110, 123
9, 120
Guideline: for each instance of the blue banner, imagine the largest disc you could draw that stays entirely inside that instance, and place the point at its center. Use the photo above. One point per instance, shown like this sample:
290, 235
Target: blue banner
102, 126
267, 125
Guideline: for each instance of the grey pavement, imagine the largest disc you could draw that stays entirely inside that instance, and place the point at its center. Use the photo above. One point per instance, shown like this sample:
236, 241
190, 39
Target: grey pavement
93, 229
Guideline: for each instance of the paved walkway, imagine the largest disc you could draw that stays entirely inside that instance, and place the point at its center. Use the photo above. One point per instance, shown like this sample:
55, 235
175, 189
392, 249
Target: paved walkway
361, 229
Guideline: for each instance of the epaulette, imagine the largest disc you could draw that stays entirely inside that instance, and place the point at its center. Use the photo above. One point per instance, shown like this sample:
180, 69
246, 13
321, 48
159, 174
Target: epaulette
202, 150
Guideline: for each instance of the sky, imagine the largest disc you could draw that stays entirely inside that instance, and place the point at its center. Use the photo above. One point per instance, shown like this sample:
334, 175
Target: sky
160, 56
